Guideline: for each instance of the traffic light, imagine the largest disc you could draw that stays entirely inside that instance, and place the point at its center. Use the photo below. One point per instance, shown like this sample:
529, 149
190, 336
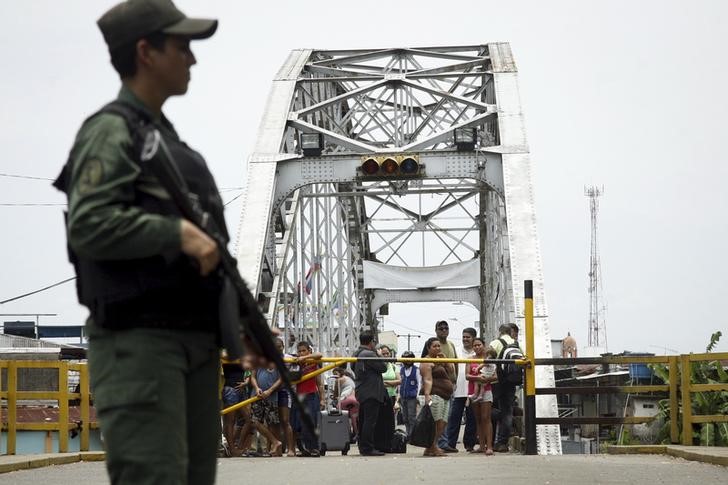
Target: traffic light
465, 139
312, 144
390, 166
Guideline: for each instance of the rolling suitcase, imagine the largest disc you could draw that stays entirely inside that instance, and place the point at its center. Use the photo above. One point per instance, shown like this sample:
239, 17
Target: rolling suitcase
335, 432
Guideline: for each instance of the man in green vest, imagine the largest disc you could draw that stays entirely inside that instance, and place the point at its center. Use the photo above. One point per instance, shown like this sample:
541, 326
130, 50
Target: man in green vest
148, 276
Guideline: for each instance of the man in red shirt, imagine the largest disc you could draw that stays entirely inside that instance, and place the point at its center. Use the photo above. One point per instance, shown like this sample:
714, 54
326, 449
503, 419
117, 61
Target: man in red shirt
311, 394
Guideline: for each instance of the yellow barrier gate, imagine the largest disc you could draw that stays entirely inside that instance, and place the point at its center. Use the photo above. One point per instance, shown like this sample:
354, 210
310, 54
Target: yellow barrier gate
12, 395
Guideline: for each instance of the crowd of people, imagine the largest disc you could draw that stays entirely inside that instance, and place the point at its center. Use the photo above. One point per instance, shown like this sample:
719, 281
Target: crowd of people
378, 396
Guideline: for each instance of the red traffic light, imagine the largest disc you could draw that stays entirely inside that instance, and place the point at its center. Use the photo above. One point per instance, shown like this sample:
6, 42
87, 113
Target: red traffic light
370, 166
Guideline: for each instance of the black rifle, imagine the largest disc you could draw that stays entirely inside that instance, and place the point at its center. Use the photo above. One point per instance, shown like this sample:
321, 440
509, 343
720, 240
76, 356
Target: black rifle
240, 316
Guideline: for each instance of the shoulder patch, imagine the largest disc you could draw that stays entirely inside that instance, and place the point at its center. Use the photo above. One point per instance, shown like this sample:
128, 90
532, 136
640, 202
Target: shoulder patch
91, 175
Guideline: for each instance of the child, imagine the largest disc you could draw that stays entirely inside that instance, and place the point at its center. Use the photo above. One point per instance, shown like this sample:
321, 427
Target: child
408, 389
484, 392
265, 383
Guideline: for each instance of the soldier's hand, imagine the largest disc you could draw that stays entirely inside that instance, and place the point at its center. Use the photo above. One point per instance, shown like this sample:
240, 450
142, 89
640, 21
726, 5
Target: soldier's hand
199, 246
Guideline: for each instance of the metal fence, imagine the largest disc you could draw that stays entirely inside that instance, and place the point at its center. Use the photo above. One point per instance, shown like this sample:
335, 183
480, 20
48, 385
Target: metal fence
678, 387
62, 395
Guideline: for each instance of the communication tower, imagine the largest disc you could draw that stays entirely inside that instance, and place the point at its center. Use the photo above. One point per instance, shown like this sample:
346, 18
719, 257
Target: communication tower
597, 326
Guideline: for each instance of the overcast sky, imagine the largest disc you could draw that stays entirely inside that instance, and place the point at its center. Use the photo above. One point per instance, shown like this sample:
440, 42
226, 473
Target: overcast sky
629, 95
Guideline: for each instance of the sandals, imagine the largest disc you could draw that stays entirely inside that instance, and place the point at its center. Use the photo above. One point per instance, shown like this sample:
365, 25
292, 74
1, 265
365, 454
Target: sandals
277, 450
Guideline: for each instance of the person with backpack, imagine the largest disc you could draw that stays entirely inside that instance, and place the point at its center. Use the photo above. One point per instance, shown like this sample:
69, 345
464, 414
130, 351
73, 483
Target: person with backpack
510, 376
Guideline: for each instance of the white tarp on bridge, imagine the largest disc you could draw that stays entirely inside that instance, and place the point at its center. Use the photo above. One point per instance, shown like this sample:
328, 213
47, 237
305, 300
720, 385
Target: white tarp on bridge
457, 275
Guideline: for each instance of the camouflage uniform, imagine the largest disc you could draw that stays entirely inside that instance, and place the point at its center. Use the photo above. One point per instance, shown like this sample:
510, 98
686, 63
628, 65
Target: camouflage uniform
155, 383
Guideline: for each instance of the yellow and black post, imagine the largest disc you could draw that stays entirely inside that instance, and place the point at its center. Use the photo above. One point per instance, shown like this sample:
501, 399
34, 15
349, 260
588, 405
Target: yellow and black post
530, 374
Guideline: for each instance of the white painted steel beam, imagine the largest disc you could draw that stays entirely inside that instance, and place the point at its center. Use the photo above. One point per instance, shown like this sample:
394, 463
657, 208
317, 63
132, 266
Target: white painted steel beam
525, 253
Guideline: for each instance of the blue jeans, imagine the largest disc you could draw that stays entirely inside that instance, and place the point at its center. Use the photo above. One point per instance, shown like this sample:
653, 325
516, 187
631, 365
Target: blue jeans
449, 437
409, 412
310, 404
503, 397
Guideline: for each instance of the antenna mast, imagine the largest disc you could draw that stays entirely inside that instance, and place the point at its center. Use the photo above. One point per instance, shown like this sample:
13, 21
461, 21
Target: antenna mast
597, 326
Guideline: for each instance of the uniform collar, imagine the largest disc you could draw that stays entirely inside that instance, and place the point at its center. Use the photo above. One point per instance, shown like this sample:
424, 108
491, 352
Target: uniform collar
127, 96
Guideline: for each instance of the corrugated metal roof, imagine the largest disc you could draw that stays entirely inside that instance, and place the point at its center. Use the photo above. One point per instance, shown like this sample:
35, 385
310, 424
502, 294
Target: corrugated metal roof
15, 342
597, 376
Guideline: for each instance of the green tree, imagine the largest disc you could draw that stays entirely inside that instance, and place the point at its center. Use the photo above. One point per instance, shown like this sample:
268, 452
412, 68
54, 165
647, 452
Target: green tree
702, 403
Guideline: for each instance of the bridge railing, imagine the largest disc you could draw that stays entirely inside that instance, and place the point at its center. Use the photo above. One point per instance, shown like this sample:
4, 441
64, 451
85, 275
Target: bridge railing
12, 394
680, 387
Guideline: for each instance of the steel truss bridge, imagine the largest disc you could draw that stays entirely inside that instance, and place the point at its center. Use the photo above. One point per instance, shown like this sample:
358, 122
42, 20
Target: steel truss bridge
324, 246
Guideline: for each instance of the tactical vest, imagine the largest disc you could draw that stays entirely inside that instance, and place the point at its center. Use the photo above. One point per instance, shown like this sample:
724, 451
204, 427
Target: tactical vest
151, 292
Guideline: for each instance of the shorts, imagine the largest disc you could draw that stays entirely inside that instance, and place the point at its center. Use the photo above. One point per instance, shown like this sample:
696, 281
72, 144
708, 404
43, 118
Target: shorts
284, 400
482, 396
265, 412
231, 396
439, 407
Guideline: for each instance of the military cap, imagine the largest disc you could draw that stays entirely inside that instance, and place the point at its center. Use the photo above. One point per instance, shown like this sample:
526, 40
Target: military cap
131, 20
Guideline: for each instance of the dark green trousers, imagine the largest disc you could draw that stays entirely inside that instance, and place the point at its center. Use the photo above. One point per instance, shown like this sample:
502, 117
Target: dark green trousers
156, 398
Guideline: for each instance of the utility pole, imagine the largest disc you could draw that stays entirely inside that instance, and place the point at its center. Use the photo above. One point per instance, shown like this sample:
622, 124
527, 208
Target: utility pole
409, 337
597, 326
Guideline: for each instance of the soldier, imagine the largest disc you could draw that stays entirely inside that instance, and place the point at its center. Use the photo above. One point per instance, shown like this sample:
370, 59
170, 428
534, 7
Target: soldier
149, 278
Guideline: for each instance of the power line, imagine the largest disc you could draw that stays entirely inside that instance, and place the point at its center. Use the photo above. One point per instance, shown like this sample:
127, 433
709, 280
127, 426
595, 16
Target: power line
420, 331
37, 291
28, 177
31, 177
29, 204
233, 199
44, 204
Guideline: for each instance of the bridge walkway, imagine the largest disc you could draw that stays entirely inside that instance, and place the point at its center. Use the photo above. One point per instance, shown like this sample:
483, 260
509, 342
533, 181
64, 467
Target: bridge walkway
455, 469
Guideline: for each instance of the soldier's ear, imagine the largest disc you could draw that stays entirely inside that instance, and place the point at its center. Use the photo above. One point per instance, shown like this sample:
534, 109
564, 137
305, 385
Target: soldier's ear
146, 54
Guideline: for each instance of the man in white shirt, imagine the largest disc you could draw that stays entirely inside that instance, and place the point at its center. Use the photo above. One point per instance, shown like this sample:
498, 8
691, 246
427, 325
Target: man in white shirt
458, 402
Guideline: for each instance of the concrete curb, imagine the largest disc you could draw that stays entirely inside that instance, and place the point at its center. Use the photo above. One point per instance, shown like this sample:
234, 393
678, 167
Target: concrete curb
694, 453
11, 463
703, 454
637, 450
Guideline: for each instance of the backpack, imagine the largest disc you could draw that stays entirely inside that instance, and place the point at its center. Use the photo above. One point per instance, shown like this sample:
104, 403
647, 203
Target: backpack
399, 441
510, 373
